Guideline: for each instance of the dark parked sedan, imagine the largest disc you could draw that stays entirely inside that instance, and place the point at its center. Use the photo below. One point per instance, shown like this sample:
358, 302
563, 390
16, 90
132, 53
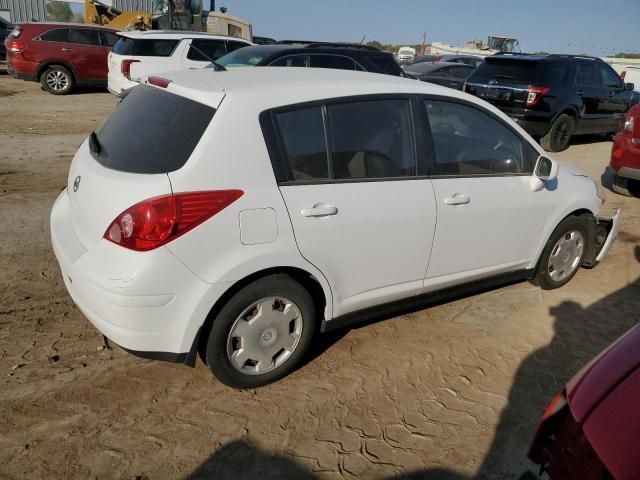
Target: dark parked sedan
452, 75
5, 29
472, 60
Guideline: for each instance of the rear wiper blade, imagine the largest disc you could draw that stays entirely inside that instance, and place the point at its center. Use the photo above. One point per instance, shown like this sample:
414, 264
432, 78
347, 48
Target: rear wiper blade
94, 143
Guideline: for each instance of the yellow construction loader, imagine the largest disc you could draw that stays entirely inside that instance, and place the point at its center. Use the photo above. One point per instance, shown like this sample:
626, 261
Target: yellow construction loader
166, 15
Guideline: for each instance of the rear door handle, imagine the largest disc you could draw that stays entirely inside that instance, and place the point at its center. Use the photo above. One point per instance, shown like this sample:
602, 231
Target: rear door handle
319, 210
457, 199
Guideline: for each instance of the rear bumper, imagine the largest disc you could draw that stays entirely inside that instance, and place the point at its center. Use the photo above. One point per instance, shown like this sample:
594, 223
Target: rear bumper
534, 123
117, 83
147, 302
21, 69
625, 157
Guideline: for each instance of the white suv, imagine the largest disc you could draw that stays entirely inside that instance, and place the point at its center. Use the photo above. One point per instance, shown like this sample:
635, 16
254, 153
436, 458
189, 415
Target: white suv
252, 207
141, 53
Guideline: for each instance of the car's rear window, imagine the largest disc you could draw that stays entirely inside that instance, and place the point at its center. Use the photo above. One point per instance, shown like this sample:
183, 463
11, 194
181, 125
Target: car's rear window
145, 48
152, 131
509, 70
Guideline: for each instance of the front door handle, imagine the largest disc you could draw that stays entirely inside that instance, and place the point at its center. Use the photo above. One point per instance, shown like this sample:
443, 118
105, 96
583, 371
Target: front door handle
457, 199
319, 210
67, 50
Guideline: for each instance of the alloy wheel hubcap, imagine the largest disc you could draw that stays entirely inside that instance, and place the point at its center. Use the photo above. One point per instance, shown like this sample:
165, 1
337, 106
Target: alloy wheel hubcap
562, 133
565, 256
57, 80
264, 335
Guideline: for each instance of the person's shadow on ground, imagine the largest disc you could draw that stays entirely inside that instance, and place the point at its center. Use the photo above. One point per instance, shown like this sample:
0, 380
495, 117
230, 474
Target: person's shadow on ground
580, 334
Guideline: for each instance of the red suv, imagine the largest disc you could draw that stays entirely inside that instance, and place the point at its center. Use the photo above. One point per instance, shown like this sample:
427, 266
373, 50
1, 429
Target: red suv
59, 55
625, 155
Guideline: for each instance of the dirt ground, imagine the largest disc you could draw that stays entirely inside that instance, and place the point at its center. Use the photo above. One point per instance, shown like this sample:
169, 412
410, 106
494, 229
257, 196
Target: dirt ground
452, 391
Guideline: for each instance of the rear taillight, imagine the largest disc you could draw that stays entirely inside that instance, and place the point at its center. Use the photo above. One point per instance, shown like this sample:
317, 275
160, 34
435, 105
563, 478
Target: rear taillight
15, 46
125, 68
160, 220
623, 74
535, 94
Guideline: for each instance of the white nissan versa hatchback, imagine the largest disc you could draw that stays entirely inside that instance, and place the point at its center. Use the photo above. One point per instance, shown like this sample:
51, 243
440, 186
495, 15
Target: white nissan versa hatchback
239, 212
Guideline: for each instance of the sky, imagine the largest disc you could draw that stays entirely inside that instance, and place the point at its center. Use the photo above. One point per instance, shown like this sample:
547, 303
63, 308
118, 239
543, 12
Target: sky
557, 26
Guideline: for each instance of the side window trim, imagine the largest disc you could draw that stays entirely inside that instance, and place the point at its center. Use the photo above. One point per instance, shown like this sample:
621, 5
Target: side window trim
277, 153
431, 156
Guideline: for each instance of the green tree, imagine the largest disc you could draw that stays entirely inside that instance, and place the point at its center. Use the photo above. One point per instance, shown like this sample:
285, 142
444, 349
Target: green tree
59, 11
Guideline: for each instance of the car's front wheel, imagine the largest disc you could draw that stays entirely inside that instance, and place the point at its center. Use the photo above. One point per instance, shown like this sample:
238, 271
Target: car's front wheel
262, 333
57, 80
564, 253
559, 135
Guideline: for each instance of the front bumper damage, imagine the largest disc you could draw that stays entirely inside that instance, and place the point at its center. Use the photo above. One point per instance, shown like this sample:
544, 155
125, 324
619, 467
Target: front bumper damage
603, 232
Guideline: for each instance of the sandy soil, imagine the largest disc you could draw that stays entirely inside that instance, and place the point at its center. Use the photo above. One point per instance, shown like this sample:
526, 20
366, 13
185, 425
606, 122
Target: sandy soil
452, 391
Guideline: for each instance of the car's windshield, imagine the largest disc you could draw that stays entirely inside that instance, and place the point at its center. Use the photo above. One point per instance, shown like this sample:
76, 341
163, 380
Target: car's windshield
243, 57
406, 51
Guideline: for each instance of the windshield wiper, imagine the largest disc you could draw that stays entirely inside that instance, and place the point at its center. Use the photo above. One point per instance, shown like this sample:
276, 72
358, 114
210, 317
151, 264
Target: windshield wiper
216, 66
94, 144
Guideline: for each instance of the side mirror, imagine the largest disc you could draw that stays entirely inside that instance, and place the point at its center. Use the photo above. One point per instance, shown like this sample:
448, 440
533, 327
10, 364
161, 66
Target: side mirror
546, 169
629, 86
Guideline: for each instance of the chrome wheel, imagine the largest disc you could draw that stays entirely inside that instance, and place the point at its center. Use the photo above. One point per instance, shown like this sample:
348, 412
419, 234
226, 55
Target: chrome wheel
264, 335
565, 256
57, 81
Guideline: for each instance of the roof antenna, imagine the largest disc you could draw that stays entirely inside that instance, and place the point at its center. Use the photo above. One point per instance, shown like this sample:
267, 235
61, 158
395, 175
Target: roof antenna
362, 41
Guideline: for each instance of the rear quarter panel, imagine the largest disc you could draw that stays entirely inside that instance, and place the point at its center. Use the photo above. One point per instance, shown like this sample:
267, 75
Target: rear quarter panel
233, 155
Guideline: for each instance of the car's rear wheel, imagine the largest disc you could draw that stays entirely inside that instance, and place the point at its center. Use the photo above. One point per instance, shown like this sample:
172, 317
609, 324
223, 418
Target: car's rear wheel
57, 80
262, 333
559, 135
564, 252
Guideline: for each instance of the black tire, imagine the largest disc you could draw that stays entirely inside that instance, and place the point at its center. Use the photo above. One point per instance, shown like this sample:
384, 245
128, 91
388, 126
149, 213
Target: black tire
57, 80
275, 285
568, 225
559, 135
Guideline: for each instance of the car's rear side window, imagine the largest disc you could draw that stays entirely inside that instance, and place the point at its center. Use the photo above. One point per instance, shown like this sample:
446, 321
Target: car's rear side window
84, 36
386, 63
338, 145
146, 47
152, 131
303, 142
56, 35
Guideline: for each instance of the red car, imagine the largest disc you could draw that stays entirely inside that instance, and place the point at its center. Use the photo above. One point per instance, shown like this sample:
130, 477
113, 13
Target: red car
59, 55
591, 430
625, 155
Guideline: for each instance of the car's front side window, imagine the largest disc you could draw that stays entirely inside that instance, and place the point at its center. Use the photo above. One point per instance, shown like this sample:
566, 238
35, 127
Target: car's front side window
468, 141
609, 77
206, 50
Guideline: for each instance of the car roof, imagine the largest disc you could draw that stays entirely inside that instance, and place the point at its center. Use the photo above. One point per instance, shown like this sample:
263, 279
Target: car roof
43, 25
174, 34
268, 51
276, 86
432, 66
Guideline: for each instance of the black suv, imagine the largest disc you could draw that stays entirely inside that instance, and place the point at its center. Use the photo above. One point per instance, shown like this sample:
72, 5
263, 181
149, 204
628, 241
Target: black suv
5, 29
342, 56
554, 96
